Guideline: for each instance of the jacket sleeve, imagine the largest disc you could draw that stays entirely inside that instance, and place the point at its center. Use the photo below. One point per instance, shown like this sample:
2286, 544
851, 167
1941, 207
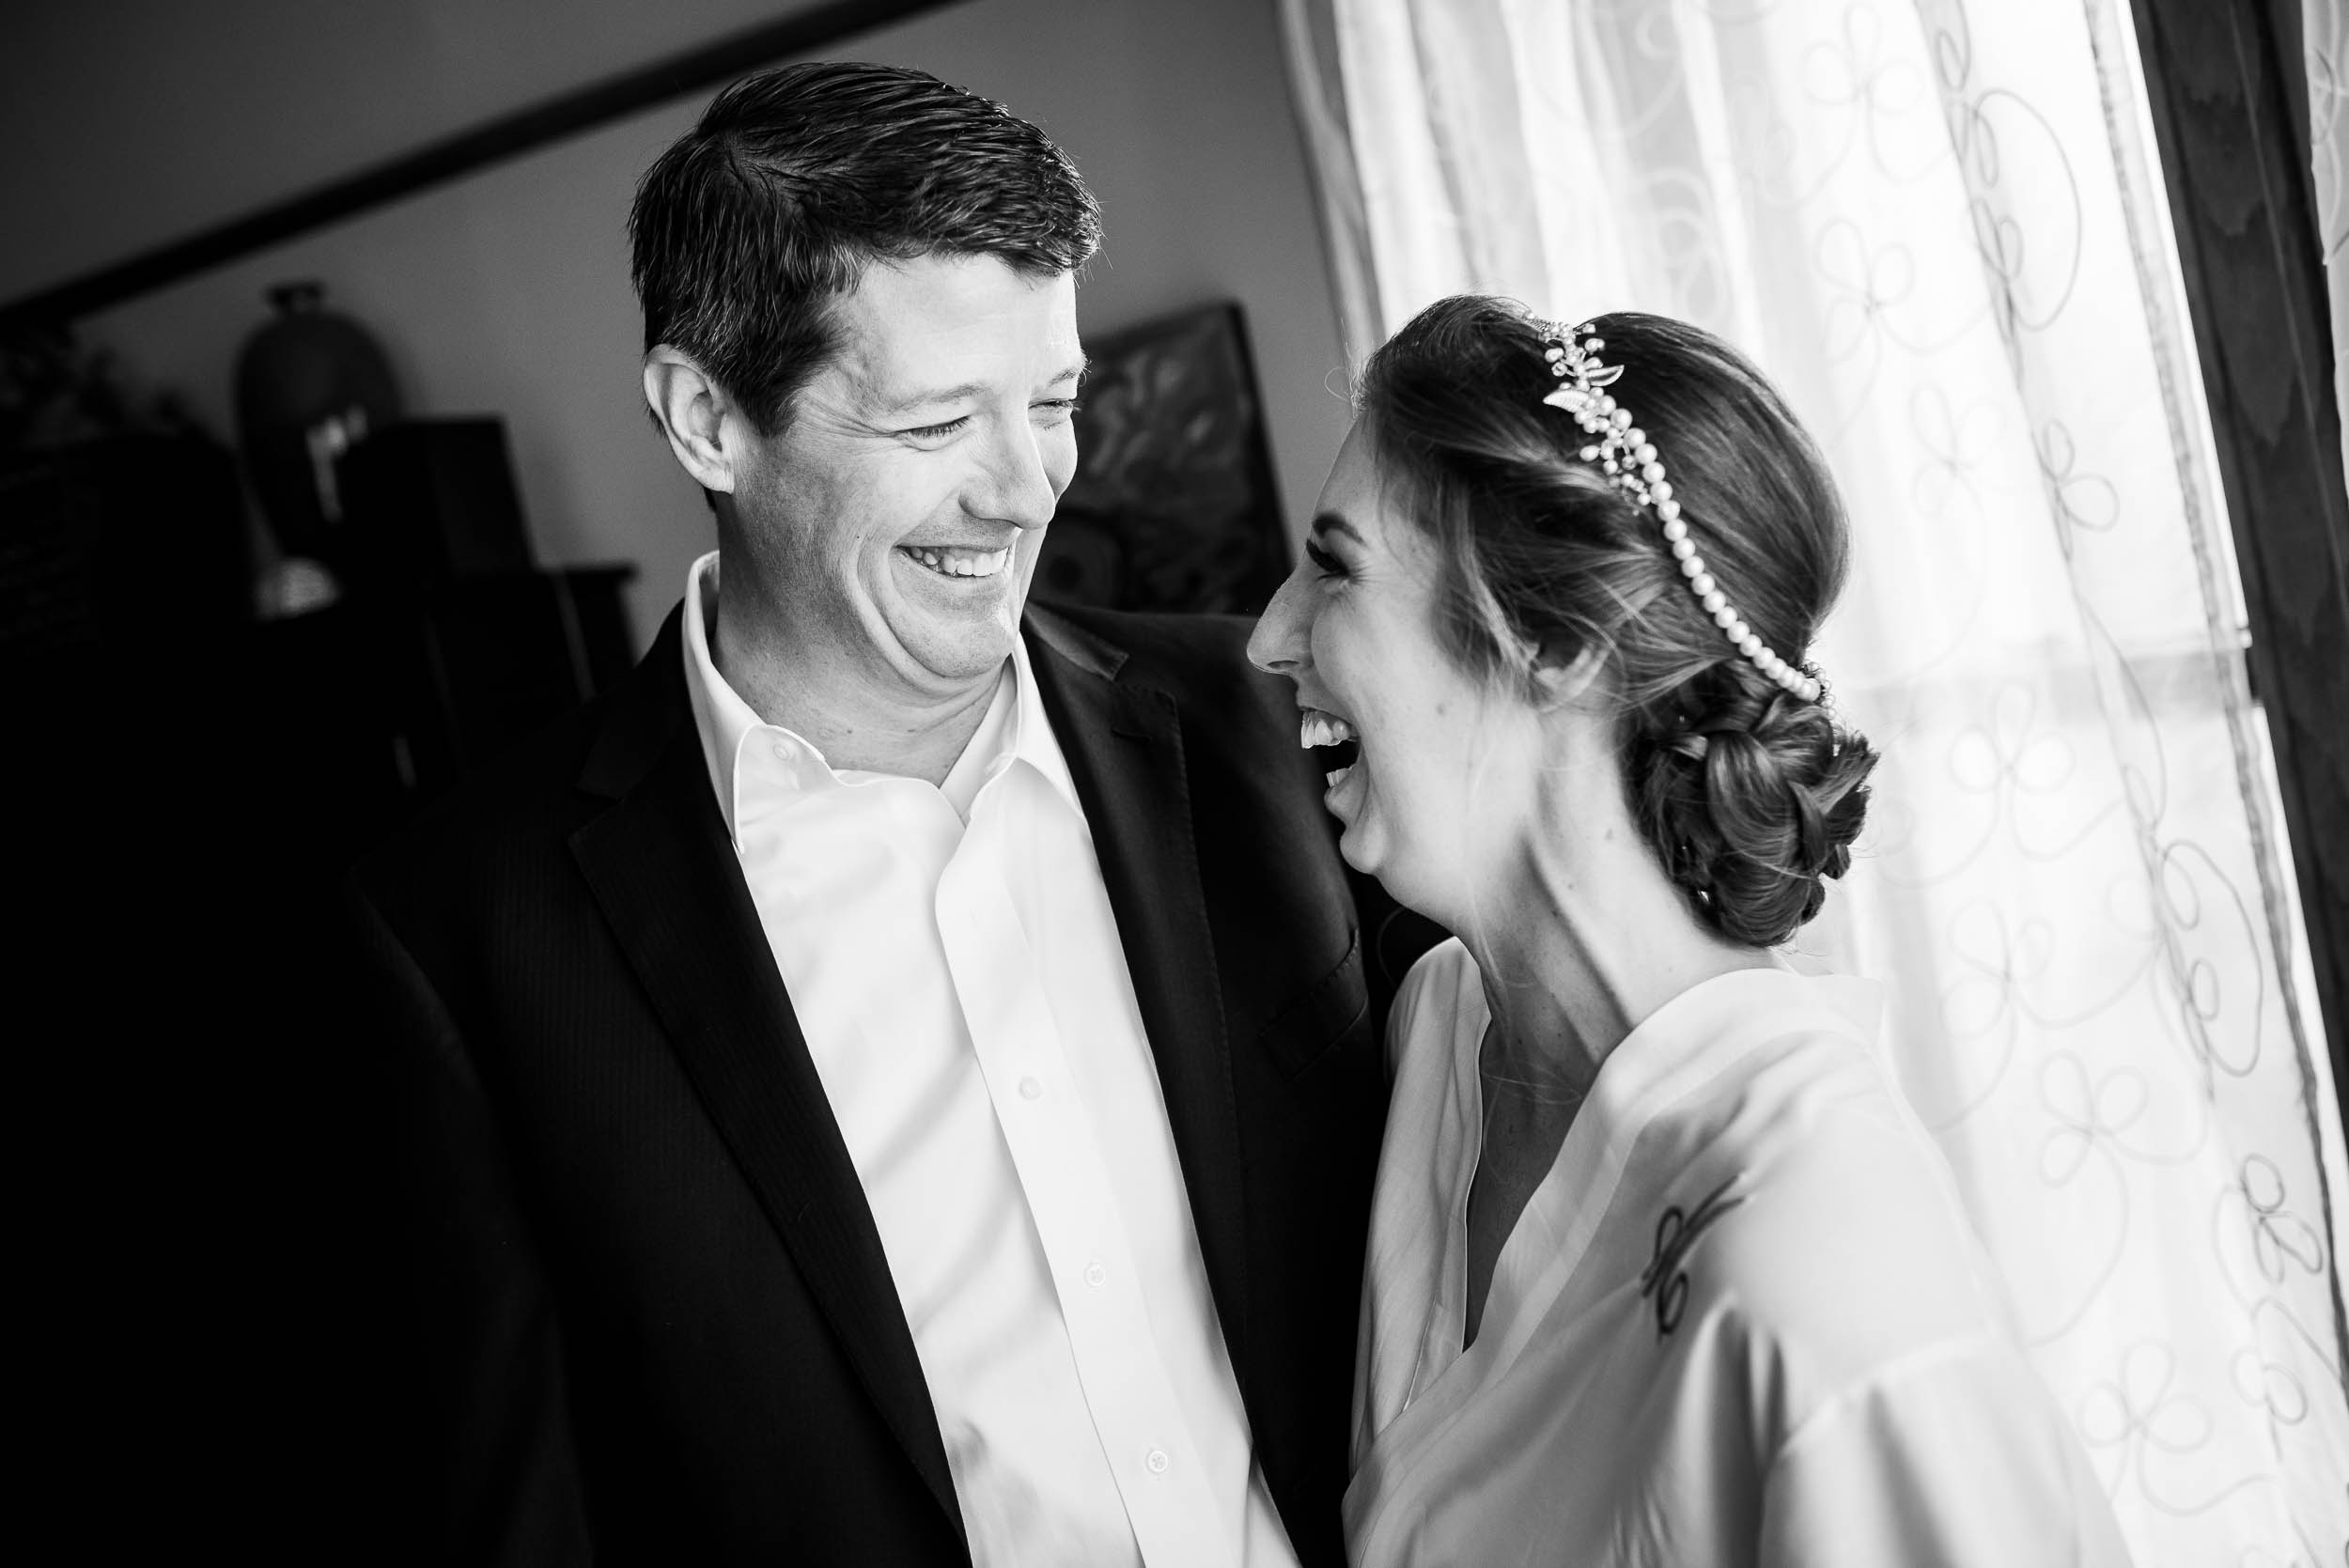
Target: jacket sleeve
491, 1429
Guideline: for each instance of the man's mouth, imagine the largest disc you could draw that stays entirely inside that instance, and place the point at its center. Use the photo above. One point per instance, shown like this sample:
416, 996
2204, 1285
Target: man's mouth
958, 560
1333, 739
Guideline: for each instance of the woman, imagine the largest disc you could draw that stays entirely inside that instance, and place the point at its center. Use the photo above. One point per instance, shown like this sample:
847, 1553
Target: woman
1661, 1270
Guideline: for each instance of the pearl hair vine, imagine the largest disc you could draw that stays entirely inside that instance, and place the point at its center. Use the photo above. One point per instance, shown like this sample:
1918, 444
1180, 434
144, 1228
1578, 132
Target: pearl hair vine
1624, 450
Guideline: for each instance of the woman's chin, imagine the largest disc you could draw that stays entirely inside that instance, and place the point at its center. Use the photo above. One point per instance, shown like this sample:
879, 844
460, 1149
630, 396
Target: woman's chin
1345, 799
1362, 842
1372, 857
1366, 843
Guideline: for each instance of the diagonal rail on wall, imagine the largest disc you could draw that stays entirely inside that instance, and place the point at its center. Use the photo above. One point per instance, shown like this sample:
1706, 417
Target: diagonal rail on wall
566, 115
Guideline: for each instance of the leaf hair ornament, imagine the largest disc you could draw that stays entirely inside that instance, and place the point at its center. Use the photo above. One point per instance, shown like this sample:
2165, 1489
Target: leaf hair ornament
1623, 449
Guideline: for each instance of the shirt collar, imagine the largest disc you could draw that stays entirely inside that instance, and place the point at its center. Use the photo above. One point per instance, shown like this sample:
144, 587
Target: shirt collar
1015, 729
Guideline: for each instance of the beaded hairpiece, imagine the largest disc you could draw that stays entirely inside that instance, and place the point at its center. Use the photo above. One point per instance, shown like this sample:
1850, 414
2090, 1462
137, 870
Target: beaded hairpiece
1630, 458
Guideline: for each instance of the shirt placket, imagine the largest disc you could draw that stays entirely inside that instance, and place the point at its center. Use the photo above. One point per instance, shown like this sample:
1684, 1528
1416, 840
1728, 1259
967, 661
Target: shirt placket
1176, 1516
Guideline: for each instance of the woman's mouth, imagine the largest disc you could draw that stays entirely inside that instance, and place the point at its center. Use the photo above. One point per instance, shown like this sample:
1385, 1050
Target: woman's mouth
1334, 738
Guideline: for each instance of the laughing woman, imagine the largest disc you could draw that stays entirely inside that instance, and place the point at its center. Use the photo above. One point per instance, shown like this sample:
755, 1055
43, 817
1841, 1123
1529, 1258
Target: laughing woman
1662, 1270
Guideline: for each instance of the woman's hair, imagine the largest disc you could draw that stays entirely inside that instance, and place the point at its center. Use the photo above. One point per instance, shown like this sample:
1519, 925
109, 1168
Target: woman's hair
1749, 796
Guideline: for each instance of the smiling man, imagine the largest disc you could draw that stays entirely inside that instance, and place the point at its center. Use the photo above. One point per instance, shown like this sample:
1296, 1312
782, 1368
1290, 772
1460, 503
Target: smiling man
885, 529
896, 1081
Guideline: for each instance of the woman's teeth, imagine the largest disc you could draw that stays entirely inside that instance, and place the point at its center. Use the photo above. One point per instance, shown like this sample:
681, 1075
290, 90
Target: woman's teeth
1318, 729
953, 562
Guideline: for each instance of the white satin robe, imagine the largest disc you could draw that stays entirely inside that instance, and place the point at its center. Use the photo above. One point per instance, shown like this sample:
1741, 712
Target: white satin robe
1742, 1321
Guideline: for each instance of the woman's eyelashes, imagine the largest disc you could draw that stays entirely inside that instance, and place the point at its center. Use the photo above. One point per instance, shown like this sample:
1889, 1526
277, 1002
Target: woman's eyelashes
1324, 562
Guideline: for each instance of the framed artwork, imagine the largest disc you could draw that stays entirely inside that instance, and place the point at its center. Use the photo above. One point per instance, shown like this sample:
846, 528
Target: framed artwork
1173, 506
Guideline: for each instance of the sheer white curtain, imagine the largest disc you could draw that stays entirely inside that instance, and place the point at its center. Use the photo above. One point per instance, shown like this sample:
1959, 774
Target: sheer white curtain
1940, 227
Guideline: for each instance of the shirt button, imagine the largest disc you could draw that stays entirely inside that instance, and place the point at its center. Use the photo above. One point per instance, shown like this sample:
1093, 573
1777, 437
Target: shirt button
1031, 1089
783, 752
1096, 1276
1157, 1461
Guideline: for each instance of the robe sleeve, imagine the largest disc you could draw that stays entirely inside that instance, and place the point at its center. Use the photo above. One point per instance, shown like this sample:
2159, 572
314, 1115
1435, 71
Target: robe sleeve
1954, 1457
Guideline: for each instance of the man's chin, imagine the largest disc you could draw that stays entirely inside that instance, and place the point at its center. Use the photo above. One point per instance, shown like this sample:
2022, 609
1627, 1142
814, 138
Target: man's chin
954, 632
958, 656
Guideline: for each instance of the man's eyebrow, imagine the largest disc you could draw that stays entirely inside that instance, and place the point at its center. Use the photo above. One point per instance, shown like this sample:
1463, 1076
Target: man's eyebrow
927, 397
1329, 522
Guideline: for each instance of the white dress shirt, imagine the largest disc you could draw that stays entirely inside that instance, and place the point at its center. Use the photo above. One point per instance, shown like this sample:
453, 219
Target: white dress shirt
955, 965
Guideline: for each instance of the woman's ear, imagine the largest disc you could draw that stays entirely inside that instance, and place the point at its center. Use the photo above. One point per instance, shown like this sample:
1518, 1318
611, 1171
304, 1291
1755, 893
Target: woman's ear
704, 430
1560, 684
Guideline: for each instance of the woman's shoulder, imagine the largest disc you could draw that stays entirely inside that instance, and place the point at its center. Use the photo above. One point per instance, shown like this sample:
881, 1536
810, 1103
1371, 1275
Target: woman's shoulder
1875, 1330
1851, 1250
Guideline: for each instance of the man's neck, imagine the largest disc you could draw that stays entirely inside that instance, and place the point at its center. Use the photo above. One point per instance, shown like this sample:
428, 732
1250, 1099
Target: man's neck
858, 729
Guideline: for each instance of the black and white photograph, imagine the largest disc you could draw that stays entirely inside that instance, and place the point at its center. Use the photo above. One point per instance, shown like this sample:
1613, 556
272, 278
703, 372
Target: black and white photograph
1178, 784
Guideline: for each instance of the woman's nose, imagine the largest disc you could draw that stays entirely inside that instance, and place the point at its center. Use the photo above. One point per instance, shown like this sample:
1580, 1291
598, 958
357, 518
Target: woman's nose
1278, 645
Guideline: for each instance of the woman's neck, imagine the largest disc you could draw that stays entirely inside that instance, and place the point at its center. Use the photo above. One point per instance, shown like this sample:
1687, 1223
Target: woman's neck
1585, 939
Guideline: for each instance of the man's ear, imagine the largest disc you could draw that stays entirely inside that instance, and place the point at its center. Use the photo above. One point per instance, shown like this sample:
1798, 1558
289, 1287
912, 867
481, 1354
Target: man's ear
704, 430
1557, 684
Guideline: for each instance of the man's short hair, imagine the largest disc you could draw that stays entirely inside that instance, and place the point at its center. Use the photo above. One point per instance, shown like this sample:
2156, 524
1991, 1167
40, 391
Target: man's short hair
798, 178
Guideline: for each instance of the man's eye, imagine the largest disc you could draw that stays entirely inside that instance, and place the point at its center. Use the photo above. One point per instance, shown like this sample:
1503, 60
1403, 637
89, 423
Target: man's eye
1325, 563
937, 432
1061, 405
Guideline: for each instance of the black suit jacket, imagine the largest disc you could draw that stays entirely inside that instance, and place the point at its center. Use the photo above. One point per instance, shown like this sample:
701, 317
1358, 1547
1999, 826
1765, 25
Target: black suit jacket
657, 1318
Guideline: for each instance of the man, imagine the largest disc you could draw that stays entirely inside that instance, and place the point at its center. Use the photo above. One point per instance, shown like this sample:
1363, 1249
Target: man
894, 1082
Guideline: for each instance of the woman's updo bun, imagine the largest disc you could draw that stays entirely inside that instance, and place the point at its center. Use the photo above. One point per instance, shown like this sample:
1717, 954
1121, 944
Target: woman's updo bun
1752, 804
1749, 797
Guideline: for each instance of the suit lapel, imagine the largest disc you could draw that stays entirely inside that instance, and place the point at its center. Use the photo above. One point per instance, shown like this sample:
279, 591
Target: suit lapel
1123, 740
669, 884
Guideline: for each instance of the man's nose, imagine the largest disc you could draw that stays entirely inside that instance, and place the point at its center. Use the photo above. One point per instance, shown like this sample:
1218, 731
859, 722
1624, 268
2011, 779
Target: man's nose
1278, 646
1019, 488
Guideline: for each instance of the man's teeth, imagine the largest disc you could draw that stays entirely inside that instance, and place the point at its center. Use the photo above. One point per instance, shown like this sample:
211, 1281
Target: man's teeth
960, 563
1336, 776
1317, 728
